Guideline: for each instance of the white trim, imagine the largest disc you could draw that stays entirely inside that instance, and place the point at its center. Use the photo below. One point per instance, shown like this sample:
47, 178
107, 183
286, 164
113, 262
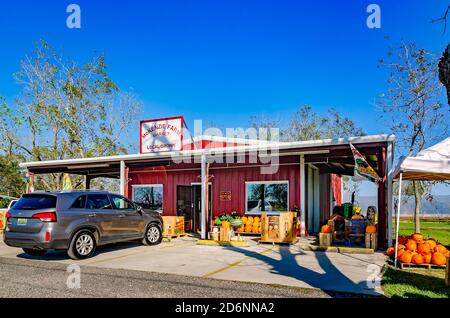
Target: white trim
123, 182
390, 197
224, 150
148, 185
266, 182
302, 207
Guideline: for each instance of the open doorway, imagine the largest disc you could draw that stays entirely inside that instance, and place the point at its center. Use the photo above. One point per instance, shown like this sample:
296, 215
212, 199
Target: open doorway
189, 205
313, 200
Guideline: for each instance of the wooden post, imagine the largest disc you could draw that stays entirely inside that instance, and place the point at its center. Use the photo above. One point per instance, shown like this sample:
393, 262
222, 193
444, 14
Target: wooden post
447, 273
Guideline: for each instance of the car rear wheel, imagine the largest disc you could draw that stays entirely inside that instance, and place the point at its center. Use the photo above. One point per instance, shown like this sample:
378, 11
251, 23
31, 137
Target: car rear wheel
153, 235
82, 245
34, 252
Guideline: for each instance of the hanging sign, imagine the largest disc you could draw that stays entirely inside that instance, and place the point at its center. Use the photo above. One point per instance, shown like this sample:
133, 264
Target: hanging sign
225, 195
159, 135
362, 168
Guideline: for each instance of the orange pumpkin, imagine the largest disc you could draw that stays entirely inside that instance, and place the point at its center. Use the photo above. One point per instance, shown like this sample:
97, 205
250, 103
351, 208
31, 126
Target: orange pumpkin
411, 245
440, 249
401, 247
406, 257
438, 259
424, 249
427, 258
226, 224
371, 229
248, 228
432, 243
326, 229
390, 251
417, 259
417, 237
402, 240
400, 252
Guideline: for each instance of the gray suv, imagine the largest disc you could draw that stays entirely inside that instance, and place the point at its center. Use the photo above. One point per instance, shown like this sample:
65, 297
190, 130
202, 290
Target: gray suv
78, 222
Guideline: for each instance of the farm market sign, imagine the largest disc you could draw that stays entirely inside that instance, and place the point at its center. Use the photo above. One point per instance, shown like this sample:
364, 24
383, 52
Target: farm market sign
159, 135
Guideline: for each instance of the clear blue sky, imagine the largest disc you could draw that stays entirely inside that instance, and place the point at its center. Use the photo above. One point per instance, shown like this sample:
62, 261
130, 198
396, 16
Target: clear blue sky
223, 61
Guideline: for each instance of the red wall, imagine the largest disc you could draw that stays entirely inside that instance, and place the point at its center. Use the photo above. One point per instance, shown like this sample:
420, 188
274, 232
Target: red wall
223, 179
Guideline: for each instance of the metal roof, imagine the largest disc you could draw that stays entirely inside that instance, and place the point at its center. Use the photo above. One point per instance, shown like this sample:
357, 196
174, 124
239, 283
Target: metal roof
111, 162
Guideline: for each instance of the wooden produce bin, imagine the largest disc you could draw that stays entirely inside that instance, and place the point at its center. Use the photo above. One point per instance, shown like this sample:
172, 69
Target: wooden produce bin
280, 228
173, 226
325, 239
372, 241
447, 273
2, 220
225, 234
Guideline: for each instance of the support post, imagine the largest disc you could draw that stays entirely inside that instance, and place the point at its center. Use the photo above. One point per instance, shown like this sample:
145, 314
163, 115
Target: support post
382, 199
204, 188
122, 178
302, 197
397, 223
87, 182
390, 197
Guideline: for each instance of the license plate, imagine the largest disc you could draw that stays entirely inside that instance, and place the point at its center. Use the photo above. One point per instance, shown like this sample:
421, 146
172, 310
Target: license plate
22, 221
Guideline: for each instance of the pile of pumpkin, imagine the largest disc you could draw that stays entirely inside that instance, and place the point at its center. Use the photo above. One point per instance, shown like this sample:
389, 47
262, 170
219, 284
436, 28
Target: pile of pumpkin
416, 250
250, 224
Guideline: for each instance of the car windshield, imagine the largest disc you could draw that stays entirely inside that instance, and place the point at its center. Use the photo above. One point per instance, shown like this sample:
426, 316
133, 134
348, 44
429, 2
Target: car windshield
35, 202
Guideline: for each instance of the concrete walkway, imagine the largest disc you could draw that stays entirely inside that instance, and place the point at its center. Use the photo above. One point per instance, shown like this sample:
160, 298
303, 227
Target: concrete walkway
278, 265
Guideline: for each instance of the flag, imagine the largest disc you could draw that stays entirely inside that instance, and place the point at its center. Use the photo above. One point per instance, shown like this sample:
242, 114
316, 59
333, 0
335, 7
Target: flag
362, 168
67, 182
29, 179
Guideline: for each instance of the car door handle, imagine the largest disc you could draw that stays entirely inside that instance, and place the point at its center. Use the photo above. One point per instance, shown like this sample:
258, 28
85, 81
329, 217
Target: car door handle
92, 215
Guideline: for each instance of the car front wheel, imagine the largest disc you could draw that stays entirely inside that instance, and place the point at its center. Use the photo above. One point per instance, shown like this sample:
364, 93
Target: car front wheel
82, 245
153, 235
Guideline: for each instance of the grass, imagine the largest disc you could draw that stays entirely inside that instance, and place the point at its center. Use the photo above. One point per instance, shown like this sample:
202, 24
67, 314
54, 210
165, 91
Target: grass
418, 283
439, 230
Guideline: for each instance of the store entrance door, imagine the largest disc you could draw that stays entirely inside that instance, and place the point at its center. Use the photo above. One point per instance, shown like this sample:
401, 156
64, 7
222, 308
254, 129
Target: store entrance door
197, 208
185, 206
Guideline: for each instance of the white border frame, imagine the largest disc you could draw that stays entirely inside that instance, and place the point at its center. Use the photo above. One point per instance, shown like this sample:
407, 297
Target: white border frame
266, 182
133, 186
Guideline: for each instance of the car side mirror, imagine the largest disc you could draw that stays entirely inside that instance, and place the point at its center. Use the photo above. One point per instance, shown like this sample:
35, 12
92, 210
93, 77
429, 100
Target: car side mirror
139, 209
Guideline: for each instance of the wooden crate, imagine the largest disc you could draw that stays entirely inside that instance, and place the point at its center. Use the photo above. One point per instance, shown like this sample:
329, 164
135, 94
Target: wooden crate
2, 220
173, 226
225, 234
325, 239
372, 241
420, 266
280, 228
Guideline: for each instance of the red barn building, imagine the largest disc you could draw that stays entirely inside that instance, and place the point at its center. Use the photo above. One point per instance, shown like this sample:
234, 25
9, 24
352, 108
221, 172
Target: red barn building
305, 177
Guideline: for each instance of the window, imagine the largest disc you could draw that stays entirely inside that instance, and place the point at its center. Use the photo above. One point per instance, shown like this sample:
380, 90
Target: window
35, 202
271, 196
120, 203
98, 202
79, 203
149, 196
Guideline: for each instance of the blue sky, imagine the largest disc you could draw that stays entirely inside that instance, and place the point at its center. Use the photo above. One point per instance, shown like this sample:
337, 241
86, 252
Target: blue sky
223, 61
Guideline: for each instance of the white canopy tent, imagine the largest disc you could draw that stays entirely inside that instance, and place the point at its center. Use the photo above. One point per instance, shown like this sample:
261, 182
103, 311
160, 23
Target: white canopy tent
431, 164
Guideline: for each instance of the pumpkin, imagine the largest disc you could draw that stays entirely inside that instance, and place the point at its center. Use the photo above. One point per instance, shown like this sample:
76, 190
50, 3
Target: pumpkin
402, 240
424, 249
418, 259
248, 228
241, 228
400, 253
438, 259
417, 237
390, 251
256, 219
432, 243
226, 224
411, 245
357, 216
427, 258
371, 229
326, 229
440, 249
250, 220
255, 229
406, 257
244, 219
401, 247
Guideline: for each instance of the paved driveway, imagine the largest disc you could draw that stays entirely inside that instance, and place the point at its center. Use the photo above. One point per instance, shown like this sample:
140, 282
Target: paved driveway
277, 265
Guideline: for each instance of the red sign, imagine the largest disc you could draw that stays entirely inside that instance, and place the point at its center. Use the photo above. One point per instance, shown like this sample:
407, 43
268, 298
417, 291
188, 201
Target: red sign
225, 195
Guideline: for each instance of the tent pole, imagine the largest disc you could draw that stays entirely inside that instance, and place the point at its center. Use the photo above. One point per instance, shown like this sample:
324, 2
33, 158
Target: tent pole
397, 224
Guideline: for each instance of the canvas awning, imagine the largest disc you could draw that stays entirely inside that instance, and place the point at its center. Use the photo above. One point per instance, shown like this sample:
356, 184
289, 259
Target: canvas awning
430, 164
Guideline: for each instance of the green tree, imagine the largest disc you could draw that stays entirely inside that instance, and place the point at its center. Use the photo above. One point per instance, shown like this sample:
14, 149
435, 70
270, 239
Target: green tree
65, 110
413, 108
